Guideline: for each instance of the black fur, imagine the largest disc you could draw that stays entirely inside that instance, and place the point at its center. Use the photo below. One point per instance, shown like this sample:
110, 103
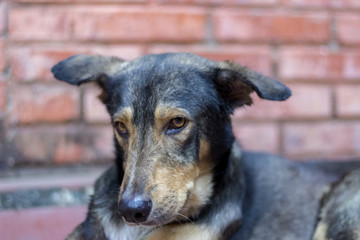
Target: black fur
255, 196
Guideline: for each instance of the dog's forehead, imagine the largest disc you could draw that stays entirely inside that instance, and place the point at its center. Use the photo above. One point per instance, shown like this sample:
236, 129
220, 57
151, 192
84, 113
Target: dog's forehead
180, 80
169, 66
177, 60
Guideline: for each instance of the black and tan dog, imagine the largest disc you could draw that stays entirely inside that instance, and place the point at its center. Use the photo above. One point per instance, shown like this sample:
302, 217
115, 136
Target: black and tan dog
178, 172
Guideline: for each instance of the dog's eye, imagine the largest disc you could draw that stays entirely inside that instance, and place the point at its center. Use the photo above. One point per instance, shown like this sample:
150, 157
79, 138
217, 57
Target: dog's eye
120, 128
176, 125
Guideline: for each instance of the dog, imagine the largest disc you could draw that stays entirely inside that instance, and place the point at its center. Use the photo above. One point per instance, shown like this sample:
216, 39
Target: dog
178, 172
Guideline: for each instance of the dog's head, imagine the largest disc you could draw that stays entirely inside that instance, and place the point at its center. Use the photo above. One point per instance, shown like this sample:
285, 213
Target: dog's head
171, 119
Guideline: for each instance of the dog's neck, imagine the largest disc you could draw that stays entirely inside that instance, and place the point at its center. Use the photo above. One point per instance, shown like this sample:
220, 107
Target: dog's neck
224, 167
228, 169
226, 202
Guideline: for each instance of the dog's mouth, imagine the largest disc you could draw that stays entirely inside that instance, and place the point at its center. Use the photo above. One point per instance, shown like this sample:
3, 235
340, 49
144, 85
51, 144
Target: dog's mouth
157, 220
161, 220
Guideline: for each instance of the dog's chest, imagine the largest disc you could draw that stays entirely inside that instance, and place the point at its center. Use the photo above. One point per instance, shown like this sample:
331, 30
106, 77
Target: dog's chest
125, 232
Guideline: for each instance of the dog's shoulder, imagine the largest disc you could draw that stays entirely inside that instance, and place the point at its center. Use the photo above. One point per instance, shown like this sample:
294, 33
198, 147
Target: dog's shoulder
340, 213
279, 195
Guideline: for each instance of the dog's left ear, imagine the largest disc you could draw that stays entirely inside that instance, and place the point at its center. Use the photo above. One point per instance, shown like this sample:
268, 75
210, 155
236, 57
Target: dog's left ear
80, 69
235, 83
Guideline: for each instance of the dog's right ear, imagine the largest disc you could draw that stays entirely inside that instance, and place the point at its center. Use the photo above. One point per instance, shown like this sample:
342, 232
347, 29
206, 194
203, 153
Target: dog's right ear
235, 83
80, 69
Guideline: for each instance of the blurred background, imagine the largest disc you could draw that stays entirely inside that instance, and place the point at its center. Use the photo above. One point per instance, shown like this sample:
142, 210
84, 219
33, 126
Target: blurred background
55, 139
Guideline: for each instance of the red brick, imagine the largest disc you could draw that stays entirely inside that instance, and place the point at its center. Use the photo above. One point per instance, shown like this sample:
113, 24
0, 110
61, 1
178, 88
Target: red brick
249, 2
34, 62
312, 63
96, 145
308, 3
39, 23
257, 136
35, 145
94, 109
68, 152
2, 17
139, 24
40, 223
41, 103
306, 102
331, 140
348, 29
223, 2
80, 1
254, 57
348, 101
3, 96
267, 27
106, 23
324, 3
64, 144
350, 4
2, 56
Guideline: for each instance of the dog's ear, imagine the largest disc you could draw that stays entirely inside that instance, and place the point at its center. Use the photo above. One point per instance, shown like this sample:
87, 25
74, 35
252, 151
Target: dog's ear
80, 69
235, 83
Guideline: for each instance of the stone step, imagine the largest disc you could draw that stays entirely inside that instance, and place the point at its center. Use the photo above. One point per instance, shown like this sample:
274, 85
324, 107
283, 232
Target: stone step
38, 204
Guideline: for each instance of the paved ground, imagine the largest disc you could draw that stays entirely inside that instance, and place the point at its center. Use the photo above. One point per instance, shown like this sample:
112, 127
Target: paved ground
38, 204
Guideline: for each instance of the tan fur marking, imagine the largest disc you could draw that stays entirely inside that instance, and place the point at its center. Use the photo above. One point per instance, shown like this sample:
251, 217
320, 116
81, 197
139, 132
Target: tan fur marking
203, 186
205, 164
184, 232
125, 116
169, 110
163, 115
199, 196
173, 184
189, 186
320, 232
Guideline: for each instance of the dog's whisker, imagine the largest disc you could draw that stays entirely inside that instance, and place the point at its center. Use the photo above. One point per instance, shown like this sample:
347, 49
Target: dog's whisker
178, 221
182, 215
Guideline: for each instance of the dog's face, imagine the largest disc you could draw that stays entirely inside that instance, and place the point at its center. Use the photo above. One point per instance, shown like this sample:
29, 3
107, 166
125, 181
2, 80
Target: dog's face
170, 114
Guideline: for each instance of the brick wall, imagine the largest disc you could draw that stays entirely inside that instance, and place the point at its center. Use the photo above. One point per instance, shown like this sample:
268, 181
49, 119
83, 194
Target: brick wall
311, 45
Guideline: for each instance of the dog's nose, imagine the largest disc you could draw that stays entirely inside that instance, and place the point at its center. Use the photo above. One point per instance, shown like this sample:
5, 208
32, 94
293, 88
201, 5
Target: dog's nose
135, 210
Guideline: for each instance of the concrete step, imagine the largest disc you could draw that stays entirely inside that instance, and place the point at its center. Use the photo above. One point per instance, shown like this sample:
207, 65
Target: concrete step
38, 204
